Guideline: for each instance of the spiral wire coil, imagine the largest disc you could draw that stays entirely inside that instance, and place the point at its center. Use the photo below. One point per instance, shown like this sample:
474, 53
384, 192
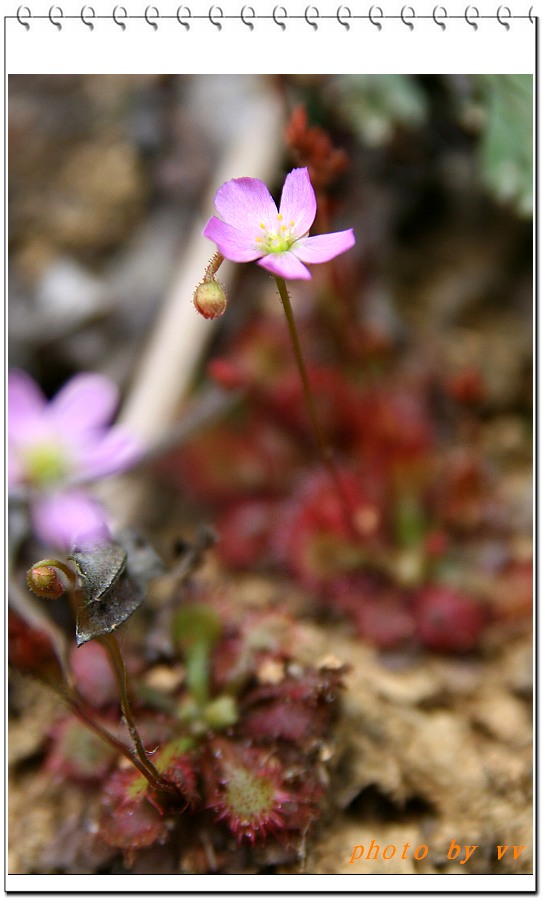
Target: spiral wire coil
248, 16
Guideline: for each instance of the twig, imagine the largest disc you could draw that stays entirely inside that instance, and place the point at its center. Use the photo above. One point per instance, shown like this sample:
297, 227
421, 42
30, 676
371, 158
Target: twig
164, 375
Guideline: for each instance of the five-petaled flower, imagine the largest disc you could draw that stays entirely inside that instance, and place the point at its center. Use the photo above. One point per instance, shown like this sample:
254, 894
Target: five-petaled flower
251, 227
54, 446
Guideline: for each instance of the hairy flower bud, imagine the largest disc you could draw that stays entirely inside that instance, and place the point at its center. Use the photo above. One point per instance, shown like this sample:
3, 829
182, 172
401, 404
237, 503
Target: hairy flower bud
210, 299
45, 582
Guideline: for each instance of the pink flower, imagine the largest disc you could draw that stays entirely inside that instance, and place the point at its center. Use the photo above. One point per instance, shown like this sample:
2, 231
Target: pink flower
251, 228
54, 446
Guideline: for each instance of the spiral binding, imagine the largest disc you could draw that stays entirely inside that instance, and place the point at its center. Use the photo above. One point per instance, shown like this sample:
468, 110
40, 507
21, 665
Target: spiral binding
279, 15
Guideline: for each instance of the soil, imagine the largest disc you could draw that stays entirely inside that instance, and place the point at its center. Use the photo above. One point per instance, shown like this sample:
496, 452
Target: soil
427, 750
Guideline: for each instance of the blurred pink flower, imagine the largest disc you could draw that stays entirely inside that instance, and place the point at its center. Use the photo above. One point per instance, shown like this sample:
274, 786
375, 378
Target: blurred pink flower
55, 445
251, 228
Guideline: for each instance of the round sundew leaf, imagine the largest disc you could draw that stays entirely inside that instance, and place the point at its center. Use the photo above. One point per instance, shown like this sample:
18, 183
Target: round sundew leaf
129, 820
79, 753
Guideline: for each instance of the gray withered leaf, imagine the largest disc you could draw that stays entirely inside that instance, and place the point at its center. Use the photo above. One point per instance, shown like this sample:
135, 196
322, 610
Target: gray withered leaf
99, 567
111, 610
110, 590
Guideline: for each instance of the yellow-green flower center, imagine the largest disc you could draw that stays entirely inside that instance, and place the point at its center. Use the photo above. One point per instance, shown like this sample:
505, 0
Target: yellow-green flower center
277, 241
45, 464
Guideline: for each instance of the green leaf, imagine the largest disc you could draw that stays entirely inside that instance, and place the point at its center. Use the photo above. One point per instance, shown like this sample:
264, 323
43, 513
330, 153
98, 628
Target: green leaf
506, 144
375, 105
197, 628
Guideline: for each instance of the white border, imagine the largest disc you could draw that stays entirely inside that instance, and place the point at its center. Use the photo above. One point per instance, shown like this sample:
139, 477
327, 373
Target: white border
164, 45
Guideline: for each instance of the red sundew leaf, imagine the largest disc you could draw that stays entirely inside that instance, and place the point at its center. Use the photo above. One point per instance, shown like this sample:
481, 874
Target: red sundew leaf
336, 402
221, 465
31, 650
239, 654
287, 721
244, 530
246, 790
312, 536
129, 820
297, 709
78, 753
393, 426
213, 474
380, 613
385, 621
309, 686
93, 676
174, 762
447, 619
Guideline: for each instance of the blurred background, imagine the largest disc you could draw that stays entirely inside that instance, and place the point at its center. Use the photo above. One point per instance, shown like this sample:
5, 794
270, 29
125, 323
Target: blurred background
107, 175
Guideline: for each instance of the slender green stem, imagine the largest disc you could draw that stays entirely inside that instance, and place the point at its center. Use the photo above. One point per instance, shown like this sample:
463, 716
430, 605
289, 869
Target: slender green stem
76, 706
109, 641
71, 697
323, 448
296, 346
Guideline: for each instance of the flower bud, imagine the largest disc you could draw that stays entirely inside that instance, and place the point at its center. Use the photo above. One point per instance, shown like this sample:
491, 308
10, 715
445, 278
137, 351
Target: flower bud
45, 582
210, 299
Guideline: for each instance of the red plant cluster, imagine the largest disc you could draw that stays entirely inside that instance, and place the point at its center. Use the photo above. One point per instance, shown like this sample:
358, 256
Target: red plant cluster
312, 146
258, 779
30, 649
384, 554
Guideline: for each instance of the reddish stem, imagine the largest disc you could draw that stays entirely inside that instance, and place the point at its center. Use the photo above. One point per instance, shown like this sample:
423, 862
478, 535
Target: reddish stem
323, 448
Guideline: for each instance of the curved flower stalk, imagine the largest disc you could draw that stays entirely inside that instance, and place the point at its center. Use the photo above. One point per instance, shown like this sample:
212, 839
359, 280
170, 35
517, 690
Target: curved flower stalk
251, 228
54, 446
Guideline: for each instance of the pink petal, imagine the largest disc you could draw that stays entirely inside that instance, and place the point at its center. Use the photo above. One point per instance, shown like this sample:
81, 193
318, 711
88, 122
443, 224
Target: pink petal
323, 247
26, 407
244, 203
298, 202
286, 265
86, 402
15, 470
66, 518
115, 451
232, 243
